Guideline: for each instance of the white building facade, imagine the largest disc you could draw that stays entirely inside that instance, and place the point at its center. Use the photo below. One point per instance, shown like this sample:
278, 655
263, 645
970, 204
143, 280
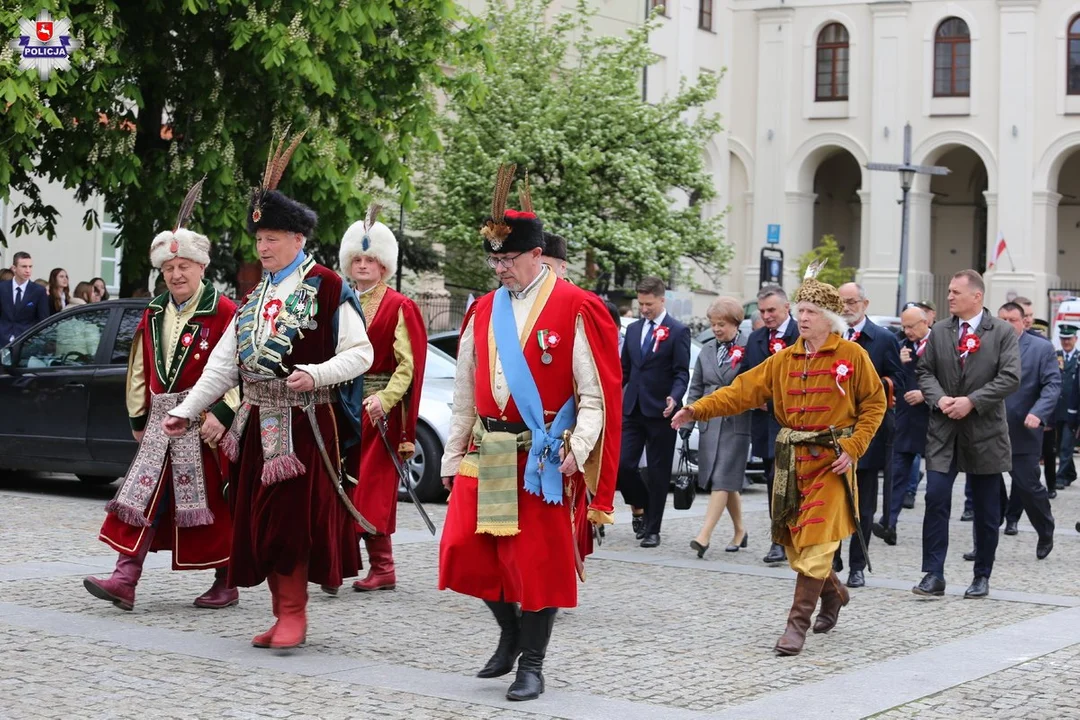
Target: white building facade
816, 90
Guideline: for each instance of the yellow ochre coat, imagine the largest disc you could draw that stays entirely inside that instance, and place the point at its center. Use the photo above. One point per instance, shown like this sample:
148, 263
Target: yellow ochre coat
806, 396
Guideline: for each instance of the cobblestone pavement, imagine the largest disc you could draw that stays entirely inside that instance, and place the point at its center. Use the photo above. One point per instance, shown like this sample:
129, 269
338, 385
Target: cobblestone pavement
658, 633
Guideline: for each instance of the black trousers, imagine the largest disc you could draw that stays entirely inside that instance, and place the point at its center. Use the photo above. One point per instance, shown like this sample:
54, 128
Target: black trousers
656, 437
867, 481
1029, 495
986, 491
1049, 457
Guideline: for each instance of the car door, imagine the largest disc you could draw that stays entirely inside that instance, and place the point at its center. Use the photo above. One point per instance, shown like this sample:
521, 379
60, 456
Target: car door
44, 390
108, 429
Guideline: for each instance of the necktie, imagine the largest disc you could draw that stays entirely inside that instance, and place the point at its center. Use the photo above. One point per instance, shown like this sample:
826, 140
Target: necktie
921, 348
851, 333
646, 344
772, 337
964, 330
18, 296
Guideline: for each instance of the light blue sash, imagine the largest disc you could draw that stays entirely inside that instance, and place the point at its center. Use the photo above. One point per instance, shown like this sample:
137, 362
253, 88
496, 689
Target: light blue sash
542, 474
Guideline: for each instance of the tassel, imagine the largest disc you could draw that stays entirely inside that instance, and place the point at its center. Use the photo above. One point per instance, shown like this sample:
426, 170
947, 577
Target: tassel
282, 468
230, 445
129, 515
193, 518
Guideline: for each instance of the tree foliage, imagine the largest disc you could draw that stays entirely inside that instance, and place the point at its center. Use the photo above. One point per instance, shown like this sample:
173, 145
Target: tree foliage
834, 272
164, 92
604, 165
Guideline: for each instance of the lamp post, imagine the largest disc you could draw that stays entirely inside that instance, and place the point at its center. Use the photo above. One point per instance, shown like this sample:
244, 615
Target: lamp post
907, 177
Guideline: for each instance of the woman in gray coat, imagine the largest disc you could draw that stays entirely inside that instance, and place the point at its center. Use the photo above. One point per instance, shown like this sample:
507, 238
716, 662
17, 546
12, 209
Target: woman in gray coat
723, 443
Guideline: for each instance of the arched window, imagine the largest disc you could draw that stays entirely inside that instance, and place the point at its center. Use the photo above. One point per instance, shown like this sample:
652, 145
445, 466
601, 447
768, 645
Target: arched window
832, 63
952, 59
1072, 58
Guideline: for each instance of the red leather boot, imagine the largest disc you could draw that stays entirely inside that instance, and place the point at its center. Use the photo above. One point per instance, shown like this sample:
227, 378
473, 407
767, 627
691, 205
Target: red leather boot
291, 630
220, 595
381, 558
263, 640
119, 588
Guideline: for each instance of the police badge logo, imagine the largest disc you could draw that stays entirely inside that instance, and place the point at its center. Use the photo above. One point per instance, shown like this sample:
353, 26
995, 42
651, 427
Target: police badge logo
45, 44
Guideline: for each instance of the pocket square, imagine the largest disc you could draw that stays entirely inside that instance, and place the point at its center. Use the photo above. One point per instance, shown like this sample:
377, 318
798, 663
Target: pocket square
30, 304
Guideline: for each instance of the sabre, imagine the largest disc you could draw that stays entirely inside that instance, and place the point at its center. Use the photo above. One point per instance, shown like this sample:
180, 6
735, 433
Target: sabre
403, 475
851, 499
579, 564
309, 411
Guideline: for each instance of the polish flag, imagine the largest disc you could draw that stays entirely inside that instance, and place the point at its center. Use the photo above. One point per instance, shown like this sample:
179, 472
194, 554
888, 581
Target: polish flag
998, 250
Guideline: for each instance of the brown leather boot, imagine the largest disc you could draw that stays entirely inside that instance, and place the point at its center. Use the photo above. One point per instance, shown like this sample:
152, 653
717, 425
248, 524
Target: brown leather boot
807, 592
833, 597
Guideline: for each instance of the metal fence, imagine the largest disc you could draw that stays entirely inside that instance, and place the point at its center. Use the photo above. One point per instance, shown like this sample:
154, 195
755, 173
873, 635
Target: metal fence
935, 288
443, 312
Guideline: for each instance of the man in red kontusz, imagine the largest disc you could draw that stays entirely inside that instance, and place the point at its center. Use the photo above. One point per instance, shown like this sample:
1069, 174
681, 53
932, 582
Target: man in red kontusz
171, 497
537, 401
392, 388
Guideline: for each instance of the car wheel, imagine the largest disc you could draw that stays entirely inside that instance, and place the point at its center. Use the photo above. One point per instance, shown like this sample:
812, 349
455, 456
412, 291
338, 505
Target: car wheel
96, 479
424, 467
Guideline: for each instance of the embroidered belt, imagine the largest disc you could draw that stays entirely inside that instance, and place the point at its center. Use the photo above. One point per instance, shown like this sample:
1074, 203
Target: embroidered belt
275, 400
132, 500
376, 382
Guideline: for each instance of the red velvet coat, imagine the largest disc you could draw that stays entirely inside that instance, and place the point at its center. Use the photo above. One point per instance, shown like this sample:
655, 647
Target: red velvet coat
536, 566
375, 494
203, 546
300, 519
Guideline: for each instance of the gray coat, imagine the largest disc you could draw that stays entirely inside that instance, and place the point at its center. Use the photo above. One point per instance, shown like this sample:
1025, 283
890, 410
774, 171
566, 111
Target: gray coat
979, 441
723, 442
1040, 386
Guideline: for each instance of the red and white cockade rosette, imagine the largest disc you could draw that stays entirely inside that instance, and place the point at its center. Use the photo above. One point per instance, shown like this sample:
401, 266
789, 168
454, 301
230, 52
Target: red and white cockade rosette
969, 344
551, 339
776, 346
270, 312
662, 334
737, 354
187, 339
842, 370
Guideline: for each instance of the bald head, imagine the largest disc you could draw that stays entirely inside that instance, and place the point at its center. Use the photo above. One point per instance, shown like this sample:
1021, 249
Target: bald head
916, 323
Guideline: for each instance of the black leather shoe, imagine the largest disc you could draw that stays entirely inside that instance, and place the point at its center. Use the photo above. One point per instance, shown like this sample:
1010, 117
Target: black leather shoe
855, 579
743, 543
1010, 527
930, 586
1051, 494
698, 548
970, 556
837, 563
650, 540
638, 524
909, 500
967, 516
888, 534
506, 653
535, 634
1044, 547
979, 588
776, 553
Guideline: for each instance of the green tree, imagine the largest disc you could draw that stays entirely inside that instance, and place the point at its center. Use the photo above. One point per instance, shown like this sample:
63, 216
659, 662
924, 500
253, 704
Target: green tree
603, 164
834, 271
164, 92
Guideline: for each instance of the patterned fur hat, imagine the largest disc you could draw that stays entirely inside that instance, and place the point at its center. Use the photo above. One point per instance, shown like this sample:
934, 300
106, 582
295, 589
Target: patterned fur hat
813, 291
181, 242
369, 237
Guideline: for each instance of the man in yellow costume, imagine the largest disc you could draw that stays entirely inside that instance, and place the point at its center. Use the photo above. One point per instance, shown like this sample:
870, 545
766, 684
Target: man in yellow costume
829, 402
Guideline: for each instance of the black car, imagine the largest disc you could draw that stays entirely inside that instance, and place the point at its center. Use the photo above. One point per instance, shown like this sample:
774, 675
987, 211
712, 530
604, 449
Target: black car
447, 341
62, 390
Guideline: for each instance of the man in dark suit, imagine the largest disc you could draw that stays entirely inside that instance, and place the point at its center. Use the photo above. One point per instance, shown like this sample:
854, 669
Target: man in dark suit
912, 419
1050, 439
1028, 410
778, 331
971, 364
1067, 417
655, 375
880, 344
22, 303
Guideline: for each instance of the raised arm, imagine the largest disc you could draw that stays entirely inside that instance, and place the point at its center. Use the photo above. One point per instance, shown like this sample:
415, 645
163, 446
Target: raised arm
746, 392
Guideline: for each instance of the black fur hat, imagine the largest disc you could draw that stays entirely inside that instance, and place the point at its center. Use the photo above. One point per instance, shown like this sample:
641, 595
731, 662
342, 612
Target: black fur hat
273, 210
525, 233
554, 246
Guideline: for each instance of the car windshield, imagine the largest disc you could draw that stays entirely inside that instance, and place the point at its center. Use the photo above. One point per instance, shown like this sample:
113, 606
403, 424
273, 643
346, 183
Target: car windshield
439, 364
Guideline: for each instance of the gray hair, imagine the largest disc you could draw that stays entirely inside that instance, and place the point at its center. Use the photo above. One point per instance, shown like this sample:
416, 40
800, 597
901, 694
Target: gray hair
768, 291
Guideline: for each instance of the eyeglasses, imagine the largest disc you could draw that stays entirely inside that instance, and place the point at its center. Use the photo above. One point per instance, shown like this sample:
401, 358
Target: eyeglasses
505, 263
852, 302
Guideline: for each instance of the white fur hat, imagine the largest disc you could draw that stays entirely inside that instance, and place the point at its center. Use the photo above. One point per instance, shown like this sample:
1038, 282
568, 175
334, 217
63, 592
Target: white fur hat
372, 238
179, 243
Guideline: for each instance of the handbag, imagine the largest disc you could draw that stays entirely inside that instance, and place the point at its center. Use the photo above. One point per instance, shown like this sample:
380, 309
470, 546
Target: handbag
685, 481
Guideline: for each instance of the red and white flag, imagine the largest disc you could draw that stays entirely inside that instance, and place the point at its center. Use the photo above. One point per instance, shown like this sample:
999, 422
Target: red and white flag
999, 249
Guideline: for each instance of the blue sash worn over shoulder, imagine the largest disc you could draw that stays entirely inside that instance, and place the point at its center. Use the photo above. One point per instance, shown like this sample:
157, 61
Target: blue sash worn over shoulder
542, 476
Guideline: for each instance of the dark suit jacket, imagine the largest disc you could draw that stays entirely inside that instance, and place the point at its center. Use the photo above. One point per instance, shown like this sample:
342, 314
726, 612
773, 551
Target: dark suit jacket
1040, 385
880, 344
980, 441
14, 321
648, 377
763, 425
1068, 406
912, 421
